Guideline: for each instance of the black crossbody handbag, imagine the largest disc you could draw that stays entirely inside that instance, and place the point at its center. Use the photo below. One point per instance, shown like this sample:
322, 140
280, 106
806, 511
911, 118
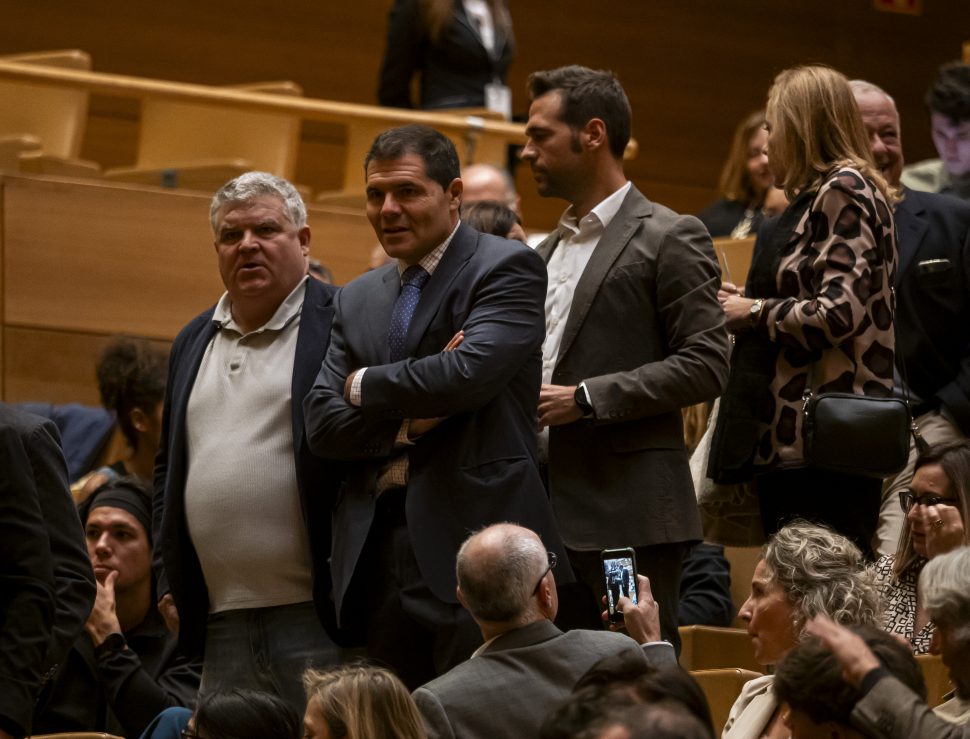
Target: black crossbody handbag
859, 434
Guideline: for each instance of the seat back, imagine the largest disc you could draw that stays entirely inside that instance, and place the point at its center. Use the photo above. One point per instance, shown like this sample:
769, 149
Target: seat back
54, 115
711, 647
174, 134
937, 678
722, 688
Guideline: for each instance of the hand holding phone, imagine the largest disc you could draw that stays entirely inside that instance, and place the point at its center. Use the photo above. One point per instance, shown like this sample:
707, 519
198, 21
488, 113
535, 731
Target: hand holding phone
620, 576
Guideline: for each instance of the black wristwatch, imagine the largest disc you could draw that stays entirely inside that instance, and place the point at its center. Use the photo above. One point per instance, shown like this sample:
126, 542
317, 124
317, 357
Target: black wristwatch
114, 642
582, 400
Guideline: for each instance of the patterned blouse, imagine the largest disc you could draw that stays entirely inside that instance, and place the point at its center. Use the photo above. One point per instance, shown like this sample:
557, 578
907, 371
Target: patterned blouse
899, 602
834, 277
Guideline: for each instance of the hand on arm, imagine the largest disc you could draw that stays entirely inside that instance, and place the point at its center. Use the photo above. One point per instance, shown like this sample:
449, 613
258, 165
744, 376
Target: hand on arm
420, 426
641, 621
850, 650
103, 619
737, 312
557, 405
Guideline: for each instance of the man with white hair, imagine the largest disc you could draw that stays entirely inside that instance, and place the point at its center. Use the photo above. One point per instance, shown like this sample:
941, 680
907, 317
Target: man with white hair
888, 708
488, 182
932, 302
241, 506
526, 665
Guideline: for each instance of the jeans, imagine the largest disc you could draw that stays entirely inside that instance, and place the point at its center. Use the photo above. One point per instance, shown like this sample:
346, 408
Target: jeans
266, 649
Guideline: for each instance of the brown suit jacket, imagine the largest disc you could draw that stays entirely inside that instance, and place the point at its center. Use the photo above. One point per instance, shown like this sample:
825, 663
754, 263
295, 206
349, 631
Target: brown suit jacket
646, 334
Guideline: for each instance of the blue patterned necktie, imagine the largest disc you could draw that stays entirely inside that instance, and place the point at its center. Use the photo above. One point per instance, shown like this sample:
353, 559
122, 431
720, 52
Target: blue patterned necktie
412, 281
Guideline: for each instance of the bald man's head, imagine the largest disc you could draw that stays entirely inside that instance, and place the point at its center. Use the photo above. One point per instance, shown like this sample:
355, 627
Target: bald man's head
500, 569
882, 124
488, 182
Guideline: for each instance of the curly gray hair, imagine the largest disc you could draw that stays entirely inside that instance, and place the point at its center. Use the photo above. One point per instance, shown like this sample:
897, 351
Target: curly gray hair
821, 572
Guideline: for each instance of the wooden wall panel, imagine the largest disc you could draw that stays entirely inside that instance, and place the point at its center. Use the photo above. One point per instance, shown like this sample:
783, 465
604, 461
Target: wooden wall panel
692, 69
53, 366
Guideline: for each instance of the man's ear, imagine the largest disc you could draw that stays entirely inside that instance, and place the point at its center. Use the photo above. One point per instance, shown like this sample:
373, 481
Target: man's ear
454, 190
461, 598
594, 134
304, 235
139, 419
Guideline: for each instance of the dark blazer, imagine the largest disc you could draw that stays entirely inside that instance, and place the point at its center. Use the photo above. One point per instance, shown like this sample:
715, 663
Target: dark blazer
477, 467
933, 299
177, 565
46, 582
893, 711
722, 216
454, 70
646, 334
519, 678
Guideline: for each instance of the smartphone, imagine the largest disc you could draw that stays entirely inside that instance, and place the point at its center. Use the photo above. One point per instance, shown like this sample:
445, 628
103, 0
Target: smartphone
620, 575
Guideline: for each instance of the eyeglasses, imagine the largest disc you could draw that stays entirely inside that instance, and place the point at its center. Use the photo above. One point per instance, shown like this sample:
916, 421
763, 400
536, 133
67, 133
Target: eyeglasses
553, 559
907, 500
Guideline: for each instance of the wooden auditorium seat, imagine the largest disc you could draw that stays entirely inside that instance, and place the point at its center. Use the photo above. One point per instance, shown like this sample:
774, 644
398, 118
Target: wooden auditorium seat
41, 126
76, 735
721, 688
201, 146
712, 647
937, 678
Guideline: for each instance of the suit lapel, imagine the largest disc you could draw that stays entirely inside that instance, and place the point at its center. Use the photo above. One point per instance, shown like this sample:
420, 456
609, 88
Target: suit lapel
548, 246
617, 235
910, 235
459, 251
311, 345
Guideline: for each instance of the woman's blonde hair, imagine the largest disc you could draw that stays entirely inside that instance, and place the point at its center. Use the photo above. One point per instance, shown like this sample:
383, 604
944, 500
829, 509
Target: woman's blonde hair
363, 702
735, 182
820, 129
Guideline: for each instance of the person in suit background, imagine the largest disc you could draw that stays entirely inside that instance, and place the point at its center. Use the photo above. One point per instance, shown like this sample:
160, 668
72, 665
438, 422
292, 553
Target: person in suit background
634, 333
241, 507
458, 47
932, 302
437, 443
46, 581
527, 666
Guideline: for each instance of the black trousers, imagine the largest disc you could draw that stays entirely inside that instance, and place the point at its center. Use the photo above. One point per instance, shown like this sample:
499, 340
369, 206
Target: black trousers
581, 603
849, 504
407, 627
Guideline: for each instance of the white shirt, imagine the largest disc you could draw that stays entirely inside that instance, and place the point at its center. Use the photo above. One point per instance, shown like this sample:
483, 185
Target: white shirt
480, 15
567, 264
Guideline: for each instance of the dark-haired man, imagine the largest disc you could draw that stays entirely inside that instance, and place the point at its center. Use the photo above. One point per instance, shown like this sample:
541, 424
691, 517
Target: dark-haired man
428, 392
948, 101
819, 699
634, 333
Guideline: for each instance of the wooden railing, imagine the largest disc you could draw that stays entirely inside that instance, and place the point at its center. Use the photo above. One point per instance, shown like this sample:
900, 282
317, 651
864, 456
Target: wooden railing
477, 139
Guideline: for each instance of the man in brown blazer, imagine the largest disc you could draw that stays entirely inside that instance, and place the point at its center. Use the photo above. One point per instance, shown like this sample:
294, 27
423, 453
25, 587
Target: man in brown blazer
634, 333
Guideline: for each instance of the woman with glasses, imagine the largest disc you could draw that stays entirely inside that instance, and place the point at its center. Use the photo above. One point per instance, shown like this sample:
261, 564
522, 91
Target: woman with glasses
935, 505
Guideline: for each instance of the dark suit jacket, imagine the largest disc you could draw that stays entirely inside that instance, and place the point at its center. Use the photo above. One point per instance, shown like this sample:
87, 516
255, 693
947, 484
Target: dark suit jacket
177, 565
477, 467
510, 688
46, 581
893, 711
933, 299
454, 69
646, 334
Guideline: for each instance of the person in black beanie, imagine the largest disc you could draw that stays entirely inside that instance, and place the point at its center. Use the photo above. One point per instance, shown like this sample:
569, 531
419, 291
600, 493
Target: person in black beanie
125, 668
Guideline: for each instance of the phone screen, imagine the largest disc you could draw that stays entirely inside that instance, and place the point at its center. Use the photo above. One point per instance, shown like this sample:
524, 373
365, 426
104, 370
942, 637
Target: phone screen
621, 580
